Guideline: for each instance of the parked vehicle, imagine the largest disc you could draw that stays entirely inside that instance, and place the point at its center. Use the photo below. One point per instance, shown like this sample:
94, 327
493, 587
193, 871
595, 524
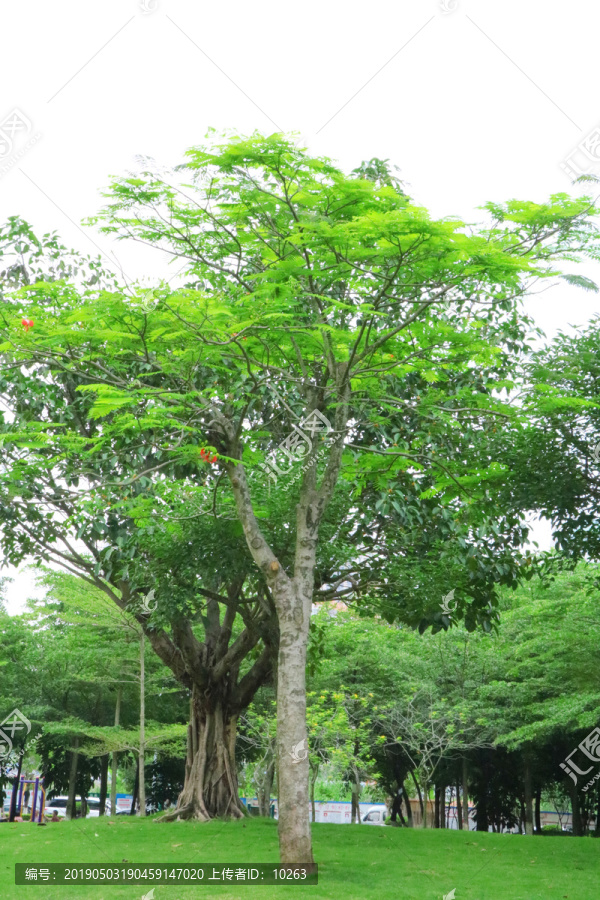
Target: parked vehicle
60, 805
375, 816
150, 810
93, 805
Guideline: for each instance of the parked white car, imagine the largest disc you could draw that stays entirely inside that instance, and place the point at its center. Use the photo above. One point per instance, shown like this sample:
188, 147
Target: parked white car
60, 805
93, 805
375, 816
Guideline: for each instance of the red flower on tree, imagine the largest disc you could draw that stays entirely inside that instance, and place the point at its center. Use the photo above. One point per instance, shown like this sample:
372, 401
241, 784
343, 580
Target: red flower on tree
27, 323
206, 456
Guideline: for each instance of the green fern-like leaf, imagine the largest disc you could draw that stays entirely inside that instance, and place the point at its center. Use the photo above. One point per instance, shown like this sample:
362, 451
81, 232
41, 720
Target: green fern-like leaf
581, 281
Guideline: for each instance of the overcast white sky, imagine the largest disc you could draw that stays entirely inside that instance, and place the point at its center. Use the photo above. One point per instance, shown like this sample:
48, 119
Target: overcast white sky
475, 100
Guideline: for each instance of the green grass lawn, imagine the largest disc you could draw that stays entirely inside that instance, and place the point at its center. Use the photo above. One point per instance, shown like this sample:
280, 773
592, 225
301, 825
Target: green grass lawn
354, 861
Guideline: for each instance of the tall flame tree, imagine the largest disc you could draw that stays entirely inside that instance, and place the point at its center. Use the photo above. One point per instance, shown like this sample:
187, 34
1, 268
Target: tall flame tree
335, 294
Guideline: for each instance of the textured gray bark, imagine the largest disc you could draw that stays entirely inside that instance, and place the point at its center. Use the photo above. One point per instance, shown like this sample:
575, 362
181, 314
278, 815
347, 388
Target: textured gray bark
211, 785
292, 738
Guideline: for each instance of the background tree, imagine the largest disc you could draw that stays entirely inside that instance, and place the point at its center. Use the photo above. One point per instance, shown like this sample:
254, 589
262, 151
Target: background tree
258, 743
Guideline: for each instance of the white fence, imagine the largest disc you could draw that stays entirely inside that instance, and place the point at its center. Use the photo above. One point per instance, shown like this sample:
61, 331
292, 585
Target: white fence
337, 812
340, 813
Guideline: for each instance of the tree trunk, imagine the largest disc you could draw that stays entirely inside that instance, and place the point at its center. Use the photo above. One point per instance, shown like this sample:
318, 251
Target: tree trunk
425, 804
396, 809
103, 784
400, 813
15, 790
465, 795
418, 789
211, 786
522, 818
264, 795
314, 774
445, 813
142, 753
355, 807
136, 788
538, 803
528, 793
459, 816
436, 810
409, 816
483, 822
115, 758
210, 670
577, 824
295, 845
353, 815
483, 817
71, 804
